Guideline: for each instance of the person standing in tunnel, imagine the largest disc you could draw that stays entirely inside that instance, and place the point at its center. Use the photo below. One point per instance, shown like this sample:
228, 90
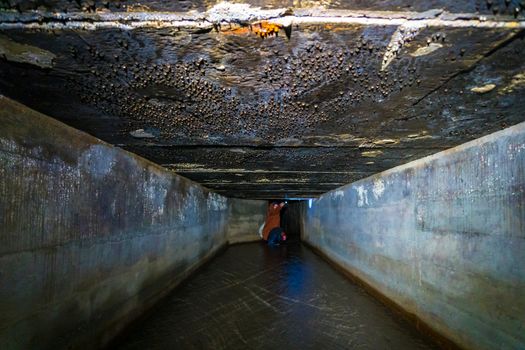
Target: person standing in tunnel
272, 231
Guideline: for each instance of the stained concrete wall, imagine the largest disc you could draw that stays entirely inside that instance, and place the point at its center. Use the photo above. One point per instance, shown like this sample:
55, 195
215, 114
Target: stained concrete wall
90, 235
443, 237
246, 218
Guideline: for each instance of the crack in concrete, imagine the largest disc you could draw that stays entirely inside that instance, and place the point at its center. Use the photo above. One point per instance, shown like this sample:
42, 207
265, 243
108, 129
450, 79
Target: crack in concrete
502, 44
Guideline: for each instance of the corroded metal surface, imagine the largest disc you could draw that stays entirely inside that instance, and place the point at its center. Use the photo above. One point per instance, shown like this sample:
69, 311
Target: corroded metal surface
235, 89
256, 297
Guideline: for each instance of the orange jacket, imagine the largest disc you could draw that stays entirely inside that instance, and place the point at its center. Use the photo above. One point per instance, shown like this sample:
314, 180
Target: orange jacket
273, 219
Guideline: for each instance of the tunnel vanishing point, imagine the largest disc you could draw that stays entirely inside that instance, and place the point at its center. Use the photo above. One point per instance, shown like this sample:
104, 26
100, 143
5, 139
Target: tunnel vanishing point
139, 139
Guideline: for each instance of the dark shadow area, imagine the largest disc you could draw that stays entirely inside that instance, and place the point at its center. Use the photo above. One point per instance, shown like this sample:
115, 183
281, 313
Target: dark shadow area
291, 220
259, 297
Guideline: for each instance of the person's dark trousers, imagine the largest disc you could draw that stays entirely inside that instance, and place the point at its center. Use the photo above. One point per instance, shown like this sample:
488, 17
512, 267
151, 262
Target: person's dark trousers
274, 237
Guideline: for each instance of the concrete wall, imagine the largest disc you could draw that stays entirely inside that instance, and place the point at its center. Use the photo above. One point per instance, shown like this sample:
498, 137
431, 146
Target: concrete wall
91, 235
443, 237
246, 218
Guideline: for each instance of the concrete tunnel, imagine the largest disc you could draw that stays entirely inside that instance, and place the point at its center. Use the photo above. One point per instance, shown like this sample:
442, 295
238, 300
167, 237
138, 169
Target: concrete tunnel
141, 142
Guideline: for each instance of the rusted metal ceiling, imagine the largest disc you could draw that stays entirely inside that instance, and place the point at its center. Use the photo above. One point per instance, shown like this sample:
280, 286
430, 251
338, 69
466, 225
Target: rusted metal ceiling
286, 99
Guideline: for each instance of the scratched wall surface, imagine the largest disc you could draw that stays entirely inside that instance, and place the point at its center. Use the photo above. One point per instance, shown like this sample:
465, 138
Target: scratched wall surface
444, 237
90, 235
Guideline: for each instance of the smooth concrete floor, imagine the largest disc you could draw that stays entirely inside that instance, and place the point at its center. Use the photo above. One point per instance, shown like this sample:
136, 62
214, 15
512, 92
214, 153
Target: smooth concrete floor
256, 297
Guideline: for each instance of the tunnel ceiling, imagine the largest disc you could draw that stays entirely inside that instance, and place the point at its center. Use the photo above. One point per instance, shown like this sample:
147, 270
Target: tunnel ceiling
271, 98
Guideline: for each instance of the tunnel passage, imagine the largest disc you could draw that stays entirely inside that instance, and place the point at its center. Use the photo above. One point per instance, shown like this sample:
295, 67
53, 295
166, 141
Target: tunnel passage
147, 136
259, 297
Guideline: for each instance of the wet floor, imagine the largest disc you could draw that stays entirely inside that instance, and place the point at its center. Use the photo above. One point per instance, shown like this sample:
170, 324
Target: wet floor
256, 297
